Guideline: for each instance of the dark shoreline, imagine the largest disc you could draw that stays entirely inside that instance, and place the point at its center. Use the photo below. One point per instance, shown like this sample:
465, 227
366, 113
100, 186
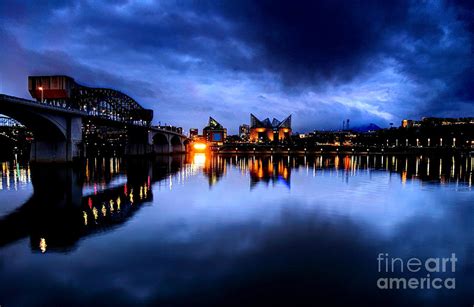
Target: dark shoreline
285, 150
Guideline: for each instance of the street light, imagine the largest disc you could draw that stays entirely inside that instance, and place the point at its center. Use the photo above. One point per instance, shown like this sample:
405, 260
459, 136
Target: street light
41, 89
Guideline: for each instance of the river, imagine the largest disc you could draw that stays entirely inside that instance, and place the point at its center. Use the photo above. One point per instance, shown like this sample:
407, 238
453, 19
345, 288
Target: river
234, 230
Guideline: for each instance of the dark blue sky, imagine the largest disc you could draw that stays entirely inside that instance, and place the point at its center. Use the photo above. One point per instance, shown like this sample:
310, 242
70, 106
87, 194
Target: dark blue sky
322, 61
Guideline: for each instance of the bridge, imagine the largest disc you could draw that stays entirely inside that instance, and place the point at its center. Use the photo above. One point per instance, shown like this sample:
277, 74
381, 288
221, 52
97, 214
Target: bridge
68, 120
13, 130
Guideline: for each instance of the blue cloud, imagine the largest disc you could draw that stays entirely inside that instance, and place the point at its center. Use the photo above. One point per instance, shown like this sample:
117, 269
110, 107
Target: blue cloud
322, 61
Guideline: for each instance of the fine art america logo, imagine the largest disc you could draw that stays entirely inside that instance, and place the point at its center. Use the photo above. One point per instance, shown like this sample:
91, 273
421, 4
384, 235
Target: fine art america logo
429, 273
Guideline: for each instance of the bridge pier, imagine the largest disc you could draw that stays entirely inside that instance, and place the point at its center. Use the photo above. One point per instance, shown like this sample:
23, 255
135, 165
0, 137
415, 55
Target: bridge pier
138, 149
64, 149
138, 142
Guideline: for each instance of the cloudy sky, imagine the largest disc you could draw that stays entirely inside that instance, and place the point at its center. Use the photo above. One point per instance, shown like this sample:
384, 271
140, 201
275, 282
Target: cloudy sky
321, 61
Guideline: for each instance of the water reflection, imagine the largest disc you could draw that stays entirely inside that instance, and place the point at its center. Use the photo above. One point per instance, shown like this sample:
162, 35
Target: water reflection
214, 168
13, 176
233, 230
69, 204
277, 169
268, 169
58, 214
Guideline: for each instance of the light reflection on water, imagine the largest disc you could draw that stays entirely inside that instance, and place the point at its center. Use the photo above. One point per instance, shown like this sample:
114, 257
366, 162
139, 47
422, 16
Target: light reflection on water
201, 229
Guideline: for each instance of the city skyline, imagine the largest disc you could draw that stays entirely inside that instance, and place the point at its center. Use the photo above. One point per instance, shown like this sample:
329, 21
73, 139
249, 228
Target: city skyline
321, 62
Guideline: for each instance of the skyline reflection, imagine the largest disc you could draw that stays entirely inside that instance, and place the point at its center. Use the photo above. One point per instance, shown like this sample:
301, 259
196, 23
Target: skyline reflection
274, 169
109, 191
207, 225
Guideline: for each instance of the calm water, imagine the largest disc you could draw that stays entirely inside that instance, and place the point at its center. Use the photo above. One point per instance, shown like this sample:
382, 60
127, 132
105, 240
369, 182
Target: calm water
200, 230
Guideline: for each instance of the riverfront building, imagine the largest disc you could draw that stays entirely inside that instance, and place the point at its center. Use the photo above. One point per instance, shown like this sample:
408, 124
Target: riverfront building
244, 132
264, 131
193, 133
214, 132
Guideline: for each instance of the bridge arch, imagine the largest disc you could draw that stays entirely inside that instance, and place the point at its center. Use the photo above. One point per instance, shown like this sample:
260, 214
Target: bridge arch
176, 144
50, 134
57, 133
161, 143
43, 127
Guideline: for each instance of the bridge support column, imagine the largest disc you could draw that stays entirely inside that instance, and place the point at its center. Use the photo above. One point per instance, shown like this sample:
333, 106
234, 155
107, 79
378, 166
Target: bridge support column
177, 145
161, 149
138, 142
60, 150
138, 149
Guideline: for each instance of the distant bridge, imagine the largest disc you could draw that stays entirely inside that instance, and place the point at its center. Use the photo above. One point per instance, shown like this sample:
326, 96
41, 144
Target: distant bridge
12, 130
57, 120
6, 121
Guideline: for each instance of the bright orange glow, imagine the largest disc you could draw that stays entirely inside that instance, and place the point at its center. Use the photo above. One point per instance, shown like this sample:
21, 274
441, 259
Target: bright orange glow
199, 159
199, 146
40, 88
43, 245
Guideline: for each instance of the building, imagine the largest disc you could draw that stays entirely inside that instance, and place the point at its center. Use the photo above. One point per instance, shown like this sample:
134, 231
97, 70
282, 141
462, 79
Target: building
214, 132
266, 131
408, 123
193, 133
244, 131
436, 122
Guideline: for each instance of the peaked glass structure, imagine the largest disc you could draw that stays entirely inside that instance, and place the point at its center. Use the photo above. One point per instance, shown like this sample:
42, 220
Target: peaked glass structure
264, 131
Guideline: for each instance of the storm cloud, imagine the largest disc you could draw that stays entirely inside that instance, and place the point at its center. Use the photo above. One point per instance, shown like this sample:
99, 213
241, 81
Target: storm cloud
322, 61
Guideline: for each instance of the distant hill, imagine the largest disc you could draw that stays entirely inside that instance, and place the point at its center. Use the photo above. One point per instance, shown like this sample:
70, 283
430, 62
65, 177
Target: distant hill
366, 128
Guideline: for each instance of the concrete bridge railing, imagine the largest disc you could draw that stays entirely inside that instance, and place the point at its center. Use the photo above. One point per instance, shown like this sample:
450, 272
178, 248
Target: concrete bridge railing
158, 141
58, 132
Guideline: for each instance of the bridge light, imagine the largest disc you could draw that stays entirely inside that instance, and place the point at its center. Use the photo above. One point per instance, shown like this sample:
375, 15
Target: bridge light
41, 89
199, 146
43, 245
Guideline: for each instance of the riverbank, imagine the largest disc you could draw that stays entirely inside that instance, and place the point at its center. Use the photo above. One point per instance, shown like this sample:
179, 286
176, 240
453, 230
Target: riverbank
245, 149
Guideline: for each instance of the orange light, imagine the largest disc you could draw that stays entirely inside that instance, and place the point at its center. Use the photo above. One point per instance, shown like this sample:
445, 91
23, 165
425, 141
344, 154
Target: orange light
40, 88
199, 146
199, 159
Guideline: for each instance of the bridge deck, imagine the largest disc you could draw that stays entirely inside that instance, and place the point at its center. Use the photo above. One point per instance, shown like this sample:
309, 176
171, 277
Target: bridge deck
65, 110
35, 104
155, 129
